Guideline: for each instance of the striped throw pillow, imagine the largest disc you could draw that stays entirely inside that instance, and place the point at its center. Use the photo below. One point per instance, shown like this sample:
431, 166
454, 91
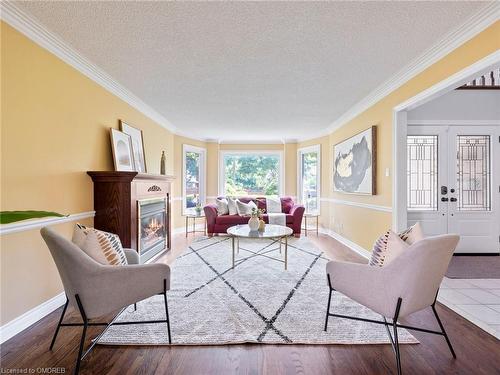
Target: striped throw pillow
389, 245
105, 248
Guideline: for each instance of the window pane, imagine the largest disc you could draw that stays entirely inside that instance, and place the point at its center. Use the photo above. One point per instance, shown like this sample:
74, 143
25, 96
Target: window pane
251, 174
473, 173
309, 185
192, 178
422, 173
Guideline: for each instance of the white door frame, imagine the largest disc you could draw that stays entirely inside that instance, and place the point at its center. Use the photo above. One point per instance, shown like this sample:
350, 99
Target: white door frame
400, 124
314, 148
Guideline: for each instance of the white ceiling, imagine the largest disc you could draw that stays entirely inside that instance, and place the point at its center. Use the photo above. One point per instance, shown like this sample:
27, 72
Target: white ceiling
251, 70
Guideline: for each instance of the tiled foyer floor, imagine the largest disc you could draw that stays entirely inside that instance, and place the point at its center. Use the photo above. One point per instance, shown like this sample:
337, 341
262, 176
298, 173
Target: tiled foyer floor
477, 300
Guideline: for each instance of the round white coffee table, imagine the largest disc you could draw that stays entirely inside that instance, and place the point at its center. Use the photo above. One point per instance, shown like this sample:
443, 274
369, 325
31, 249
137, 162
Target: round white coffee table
273, 232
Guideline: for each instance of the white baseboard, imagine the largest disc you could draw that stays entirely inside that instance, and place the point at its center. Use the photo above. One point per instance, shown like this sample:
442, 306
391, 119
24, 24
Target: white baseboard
30, 317
344, 241
179, 230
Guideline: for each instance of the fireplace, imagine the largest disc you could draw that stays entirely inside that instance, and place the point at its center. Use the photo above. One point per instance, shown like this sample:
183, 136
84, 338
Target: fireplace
135, 206
152, 231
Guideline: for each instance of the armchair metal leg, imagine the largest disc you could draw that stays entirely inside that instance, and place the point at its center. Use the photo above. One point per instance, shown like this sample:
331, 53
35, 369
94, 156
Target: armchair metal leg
84, 332
396, 341
442, 330
86, 324
59, 324
166, 310
329, 301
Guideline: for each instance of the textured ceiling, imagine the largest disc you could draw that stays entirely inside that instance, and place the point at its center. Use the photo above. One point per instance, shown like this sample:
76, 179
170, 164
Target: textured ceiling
251, 70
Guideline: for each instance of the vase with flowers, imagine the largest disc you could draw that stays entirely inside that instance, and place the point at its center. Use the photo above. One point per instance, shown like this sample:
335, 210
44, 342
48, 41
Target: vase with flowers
254, 221
198, 207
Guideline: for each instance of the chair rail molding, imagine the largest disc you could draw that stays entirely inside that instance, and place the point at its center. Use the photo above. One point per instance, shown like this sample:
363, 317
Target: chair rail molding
25, 225
369, 206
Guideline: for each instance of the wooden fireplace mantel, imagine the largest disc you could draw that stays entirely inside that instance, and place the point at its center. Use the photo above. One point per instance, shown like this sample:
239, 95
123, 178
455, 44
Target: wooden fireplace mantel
105, 176
116, 197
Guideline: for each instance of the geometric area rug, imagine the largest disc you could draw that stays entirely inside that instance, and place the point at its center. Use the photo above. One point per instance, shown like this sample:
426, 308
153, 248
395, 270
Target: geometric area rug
256, 302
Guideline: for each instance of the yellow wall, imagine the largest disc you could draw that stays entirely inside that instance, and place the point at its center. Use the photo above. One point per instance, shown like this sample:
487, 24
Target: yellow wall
55, 127
363, 225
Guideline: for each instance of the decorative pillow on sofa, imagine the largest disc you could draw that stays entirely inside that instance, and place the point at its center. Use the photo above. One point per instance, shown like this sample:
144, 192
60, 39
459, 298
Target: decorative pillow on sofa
231, 204
286, 204
390, 245
105, 248
222, 206
245, 209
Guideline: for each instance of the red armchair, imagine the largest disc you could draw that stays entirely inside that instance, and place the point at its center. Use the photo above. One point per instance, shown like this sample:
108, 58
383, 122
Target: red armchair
219, 223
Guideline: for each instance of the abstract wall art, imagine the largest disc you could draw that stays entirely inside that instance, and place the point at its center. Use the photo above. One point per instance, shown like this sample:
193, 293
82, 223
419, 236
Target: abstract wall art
354, 163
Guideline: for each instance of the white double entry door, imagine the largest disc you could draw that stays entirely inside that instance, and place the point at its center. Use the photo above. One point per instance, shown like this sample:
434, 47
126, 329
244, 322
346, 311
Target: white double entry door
453, 177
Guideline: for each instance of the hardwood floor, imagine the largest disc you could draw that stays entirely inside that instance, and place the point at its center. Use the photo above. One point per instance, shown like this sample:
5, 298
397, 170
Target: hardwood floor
477, 351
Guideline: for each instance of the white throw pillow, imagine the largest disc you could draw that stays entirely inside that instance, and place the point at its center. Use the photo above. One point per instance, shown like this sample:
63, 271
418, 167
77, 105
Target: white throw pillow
412, 234
387, 248
105, 248
381, 249
245, 209
231, 203
79, 235
222, 206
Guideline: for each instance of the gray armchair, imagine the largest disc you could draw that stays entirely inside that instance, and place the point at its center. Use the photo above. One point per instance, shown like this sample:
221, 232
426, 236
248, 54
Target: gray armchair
408, 284
96, 290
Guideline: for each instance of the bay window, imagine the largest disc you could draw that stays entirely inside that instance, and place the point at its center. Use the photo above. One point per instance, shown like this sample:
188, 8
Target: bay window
251, 173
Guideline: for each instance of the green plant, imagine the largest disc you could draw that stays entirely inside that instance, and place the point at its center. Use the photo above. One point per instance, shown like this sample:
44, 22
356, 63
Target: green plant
7, 217
258, 212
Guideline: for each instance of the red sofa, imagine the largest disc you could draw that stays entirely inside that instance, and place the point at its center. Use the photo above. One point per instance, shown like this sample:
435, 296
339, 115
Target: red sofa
219, 223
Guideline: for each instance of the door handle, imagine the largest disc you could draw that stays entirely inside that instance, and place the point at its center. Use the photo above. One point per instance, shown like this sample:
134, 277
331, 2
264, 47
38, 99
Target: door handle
444, 199
444, 190
453, 199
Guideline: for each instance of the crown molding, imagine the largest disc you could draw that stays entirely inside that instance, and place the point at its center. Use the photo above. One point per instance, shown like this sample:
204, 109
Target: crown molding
35, 31
257, 142
473, 26
454, 122
39, 34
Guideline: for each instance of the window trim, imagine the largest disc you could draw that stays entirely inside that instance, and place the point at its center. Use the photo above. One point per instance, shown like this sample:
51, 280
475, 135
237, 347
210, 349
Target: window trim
222, 177
203, 169
304, 150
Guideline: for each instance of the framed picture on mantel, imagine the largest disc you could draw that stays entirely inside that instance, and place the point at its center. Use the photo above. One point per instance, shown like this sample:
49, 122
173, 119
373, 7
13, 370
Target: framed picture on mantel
137, 145
122, 151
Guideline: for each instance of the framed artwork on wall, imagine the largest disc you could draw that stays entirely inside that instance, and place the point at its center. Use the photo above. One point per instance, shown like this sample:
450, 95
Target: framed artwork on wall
137, 145
123, 156
354, 162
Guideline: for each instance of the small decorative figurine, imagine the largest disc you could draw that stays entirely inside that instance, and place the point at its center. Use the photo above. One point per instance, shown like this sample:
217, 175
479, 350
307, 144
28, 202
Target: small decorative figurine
162, 163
